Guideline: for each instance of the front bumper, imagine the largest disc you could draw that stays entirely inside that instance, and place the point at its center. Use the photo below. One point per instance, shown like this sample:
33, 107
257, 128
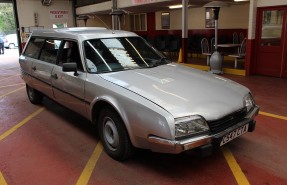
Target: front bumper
171, 146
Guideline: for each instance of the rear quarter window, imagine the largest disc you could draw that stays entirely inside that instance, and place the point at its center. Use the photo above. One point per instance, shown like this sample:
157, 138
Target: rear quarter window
34, 47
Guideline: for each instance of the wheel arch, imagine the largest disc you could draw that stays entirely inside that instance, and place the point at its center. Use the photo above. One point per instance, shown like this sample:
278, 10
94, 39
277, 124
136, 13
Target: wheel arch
100, 104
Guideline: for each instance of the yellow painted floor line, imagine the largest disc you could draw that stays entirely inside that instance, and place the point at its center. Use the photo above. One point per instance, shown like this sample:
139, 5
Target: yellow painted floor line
1, 96
235, 168
273, 115
2, 180
89, 168
9, 77
13, 129
11, 85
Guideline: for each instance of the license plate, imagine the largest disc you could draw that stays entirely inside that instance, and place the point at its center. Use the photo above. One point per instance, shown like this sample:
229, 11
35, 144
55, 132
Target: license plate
234, 134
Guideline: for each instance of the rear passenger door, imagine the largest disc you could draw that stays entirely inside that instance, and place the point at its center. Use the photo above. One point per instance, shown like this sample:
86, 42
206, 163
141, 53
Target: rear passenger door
68, 88
30, 56
41, 68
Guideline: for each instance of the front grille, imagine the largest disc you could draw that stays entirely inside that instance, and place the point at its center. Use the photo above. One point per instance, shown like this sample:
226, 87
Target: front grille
219, 125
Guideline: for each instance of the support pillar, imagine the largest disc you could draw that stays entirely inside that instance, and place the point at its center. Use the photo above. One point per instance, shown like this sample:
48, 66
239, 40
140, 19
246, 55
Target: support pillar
184, 30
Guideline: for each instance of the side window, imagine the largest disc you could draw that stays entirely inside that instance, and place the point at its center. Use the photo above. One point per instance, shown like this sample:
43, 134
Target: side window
70, 54
34, 47
50, 50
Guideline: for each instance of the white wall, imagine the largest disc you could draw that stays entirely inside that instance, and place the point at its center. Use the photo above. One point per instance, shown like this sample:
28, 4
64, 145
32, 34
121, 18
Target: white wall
262, 3
27, 8
233, 17
97, 21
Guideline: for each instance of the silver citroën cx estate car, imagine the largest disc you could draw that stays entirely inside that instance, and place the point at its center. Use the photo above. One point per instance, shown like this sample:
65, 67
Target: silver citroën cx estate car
135, 96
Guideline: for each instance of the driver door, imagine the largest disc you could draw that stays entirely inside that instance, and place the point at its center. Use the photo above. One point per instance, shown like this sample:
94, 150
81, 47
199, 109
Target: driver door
68, 87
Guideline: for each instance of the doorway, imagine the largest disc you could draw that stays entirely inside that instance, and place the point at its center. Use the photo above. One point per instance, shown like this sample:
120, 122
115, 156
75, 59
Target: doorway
271, 57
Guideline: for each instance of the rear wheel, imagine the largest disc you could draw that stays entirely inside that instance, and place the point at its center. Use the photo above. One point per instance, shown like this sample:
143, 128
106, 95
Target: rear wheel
34, 96
114, 135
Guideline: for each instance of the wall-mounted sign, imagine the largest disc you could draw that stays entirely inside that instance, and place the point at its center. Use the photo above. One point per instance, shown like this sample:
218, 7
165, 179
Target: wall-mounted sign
58, 14
209, 18
165, 20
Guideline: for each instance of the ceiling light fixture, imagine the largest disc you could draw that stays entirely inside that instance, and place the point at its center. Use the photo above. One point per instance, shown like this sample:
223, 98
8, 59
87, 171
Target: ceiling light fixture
177, 6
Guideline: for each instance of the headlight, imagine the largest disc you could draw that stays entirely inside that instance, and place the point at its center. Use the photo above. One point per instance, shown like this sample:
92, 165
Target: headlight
190, 125
248, 102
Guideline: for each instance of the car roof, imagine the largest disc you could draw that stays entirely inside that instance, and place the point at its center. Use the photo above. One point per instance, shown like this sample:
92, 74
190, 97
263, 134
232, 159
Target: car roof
82, 33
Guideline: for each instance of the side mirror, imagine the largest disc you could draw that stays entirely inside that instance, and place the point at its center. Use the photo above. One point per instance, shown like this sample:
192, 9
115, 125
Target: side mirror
70, 67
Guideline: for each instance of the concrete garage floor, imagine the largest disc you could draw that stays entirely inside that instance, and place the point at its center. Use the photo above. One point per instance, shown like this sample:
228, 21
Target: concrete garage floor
50, 145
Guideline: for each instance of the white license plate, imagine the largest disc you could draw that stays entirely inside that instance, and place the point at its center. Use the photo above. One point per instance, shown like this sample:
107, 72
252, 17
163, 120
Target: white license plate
234, 134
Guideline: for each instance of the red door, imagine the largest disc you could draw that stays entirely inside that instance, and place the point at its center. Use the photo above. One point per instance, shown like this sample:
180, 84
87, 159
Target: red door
272, 42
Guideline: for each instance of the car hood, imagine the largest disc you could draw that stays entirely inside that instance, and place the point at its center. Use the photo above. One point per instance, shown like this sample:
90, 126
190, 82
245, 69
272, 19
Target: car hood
183, 91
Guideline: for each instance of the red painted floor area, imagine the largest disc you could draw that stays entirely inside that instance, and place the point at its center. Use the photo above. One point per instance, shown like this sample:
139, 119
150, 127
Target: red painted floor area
270, 93
53, 147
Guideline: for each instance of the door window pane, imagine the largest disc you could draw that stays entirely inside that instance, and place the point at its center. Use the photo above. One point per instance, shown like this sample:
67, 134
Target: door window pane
70, 54
272, 21
50, 50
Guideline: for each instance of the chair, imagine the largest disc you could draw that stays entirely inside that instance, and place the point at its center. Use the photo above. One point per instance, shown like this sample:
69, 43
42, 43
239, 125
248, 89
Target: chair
205, 49
174, 46
241, 37
160, 43
150, 41
190, 41
194, 44
240, 54
235, 38
212, 45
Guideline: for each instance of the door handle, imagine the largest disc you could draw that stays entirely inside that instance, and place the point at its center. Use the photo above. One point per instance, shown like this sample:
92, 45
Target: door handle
55, 76
34, 68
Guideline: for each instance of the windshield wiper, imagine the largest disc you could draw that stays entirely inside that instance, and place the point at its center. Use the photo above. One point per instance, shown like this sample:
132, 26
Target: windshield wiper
158, 62
108, 71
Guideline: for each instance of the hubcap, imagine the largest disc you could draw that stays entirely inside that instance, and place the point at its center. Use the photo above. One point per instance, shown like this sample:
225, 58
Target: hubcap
111, 134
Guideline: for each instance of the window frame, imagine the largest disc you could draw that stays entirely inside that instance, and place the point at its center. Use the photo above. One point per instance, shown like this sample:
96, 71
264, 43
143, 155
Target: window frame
61, 48
136, 21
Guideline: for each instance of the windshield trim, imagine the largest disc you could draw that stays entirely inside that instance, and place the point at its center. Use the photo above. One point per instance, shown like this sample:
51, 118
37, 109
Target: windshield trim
136, 48
99, 55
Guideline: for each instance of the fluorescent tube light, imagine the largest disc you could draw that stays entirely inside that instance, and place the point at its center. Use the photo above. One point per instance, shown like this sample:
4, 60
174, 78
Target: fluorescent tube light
178, 6
175, 6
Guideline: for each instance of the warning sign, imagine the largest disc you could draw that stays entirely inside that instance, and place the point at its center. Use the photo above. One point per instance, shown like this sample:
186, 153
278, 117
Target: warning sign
58, 14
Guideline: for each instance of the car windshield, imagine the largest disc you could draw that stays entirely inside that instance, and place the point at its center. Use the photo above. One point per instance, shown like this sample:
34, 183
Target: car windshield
123, 53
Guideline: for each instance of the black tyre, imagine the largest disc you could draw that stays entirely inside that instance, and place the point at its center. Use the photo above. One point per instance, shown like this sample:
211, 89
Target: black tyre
114, 136
34, 96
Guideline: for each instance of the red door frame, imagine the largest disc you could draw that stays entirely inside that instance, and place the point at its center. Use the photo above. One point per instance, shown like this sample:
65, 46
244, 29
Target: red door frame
282, 47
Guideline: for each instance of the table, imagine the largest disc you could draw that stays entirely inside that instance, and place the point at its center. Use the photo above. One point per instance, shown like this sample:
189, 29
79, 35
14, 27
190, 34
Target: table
228, 48
228, 45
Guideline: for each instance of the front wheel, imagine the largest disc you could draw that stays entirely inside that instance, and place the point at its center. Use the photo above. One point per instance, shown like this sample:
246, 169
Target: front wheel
114, 135
34, 96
